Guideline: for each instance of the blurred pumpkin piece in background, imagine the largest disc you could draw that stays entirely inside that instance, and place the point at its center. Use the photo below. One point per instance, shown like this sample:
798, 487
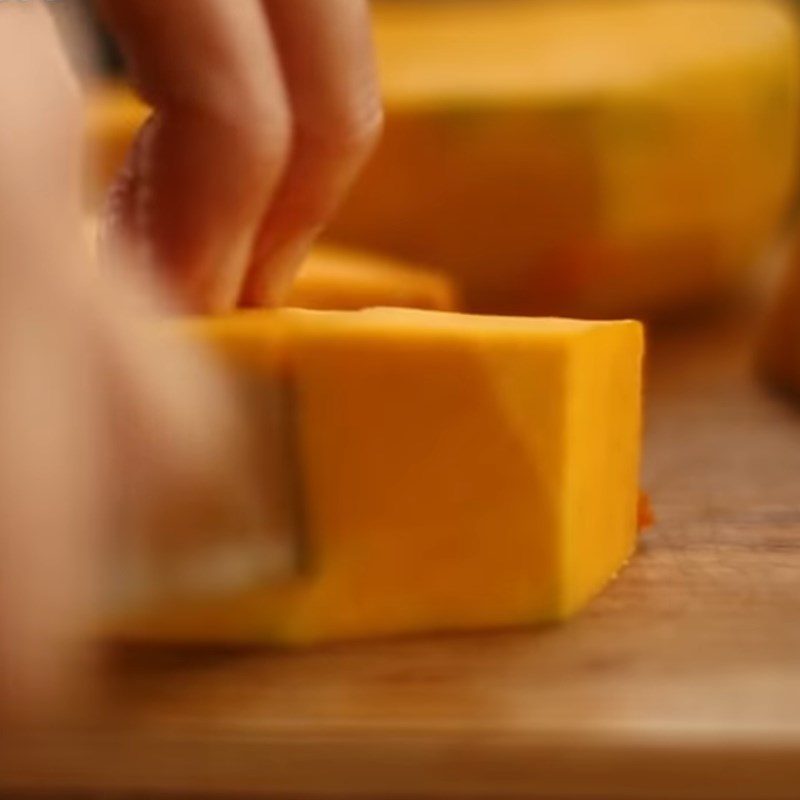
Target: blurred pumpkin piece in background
583, 157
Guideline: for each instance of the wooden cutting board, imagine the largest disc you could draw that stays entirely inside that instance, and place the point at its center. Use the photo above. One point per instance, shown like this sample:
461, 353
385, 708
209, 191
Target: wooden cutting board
682, 680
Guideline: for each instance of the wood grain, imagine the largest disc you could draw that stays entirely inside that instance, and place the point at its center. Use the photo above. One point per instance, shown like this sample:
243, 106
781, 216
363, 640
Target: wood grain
681, 681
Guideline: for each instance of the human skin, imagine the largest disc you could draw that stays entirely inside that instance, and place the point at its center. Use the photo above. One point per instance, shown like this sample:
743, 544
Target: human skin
264, 112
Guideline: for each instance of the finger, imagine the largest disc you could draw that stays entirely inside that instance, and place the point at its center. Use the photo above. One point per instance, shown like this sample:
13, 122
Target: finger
48, 480
207, 165
41, 130
172, 409
327, 55
51, 481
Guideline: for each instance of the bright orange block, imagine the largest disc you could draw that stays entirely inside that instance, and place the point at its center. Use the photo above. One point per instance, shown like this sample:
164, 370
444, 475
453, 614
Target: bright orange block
598, 158
460, 472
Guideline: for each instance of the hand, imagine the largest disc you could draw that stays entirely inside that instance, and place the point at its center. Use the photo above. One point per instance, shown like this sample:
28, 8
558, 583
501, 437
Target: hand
265, 112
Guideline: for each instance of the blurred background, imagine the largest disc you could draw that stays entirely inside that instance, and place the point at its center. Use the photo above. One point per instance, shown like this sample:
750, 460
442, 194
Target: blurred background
596, 158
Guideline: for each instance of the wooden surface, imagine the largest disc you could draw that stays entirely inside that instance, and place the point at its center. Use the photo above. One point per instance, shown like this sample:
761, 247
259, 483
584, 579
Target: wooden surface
682, 680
